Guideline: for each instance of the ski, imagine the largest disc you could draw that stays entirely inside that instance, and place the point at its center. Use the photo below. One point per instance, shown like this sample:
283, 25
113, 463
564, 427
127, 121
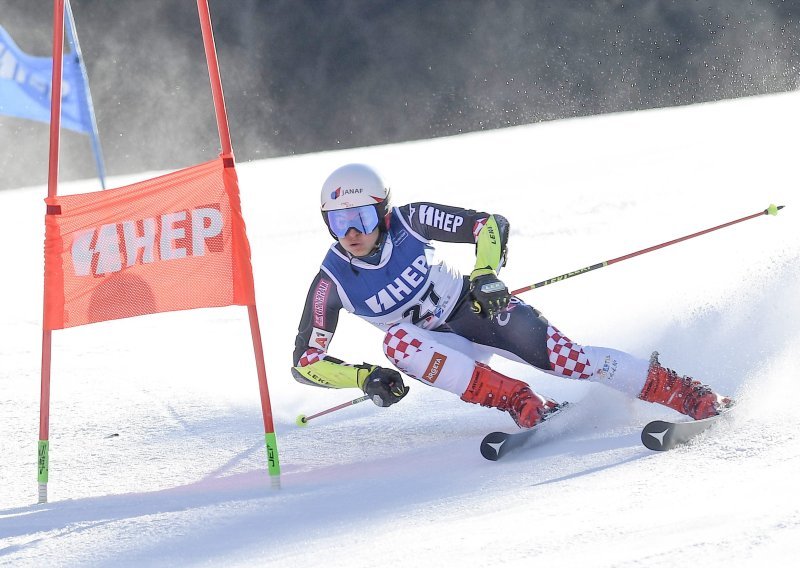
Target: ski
661, 435
498, 444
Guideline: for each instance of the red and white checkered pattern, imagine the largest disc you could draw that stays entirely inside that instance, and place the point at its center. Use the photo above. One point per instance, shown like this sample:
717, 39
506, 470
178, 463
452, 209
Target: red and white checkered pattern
311, 356
398, 345
566, 358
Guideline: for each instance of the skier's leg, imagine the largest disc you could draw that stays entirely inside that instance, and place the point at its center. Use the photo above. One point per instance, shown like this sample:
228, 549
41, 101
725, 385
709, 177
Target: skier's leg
646, 380
420, 354
521, 333
616, 369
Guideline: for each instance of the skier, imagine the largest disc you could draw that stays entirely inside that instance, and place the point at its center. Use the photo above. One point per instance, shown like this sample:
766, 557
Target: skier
382, 268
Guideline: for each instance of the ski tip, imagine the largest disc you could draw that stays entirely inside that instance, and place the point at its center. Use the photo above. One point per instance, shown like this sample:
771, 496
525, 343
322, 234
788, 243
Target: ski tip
655, 435
661, 435
492, 444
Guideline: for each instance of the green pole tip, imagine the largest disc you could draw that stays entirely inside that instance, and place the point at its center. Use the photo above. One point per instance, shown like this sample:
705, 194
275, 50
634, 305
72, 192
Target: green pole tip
301, 420
773, 209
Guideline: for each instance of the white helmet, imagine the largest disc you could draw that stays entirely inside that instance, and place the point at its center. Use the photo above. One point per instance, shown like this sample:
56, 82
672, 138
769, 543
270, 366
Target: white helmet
354, 196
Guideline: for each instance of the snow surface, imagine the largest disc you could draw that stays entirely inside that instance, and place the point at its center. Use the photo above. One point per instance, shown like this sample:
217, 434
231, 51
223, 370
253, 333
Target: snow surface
157, 454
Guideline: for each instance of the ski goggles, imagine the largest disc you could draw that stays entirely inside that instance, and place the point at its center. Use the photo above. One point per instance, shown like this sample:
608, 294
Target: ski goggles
363, 219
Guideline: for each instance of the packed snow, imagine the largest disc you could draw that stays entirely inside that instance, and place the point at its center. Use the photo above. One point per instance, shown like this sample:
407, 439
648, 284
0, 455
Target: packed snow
156, 438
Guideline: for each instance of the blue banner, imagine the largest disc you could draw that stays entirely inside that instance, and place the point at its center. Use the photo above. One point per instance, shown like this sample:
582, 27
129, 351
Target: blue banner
25, 87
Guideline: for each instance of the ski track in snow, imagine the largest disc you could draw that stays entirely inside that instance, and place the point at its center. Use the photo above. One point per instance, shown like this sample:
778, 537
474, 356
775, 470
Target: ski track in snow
156, 452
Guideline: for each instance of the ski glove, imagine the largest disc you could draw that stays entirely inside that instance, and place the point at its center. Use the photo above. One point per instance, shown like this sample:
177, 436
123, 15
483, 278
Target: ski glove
489, 295
384, 386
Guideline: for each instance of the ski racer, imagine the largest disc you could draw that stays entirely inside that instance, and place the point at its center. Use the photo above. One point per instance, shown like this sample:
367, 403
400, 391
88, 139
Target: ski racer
382, 268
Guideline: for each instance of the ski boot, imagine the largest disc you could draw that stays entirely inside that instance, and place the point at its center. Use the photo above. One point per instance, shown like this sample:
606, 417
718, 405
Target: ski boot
490, 388
683, 394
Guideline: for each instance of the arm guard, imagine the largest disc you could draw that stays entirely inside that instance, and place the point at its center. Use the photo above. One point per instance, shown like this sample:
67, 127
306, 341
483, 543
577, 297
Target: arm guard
332, 373
490, 248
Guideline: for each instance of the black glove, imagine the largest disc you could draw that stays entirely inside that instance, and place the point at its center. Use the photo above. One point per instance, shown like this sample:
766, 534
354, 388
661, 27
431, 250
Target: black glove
384, 386
489, 294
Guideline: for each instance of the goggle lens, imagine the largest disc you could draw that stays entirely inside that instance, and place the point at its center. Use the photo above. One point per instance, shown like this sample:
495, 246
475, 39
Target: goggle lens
363, 219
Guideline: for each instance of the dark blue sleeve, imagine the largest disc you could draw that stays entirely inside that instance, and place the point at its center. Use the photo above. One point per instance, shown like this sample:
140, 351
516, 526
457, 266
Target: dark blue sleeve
447, 223
320, 317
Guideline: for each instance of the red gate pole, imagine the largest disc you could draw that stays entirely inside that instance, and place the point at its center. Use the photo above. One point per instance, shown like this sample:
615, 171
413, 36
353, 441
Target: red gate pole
43, 460
227, 153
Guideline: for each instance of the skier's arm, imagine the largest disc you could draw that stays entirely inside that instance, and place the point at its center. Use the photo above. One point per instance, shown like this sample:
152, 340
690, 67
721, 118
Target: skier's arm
451, 224
312, 364
489, 294
456, 225
384, 386
491, 246
314, 334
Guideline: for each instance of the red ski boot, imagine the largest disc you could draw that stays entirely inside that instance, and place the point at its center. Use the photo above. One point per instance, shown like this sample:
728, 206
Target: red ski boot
489, 388
683, 394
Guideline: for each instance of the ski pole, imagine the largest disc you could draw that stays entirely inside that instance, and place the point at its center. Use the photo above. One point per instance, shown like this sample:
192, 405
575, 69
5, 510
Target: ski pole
302, 420
771, 210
